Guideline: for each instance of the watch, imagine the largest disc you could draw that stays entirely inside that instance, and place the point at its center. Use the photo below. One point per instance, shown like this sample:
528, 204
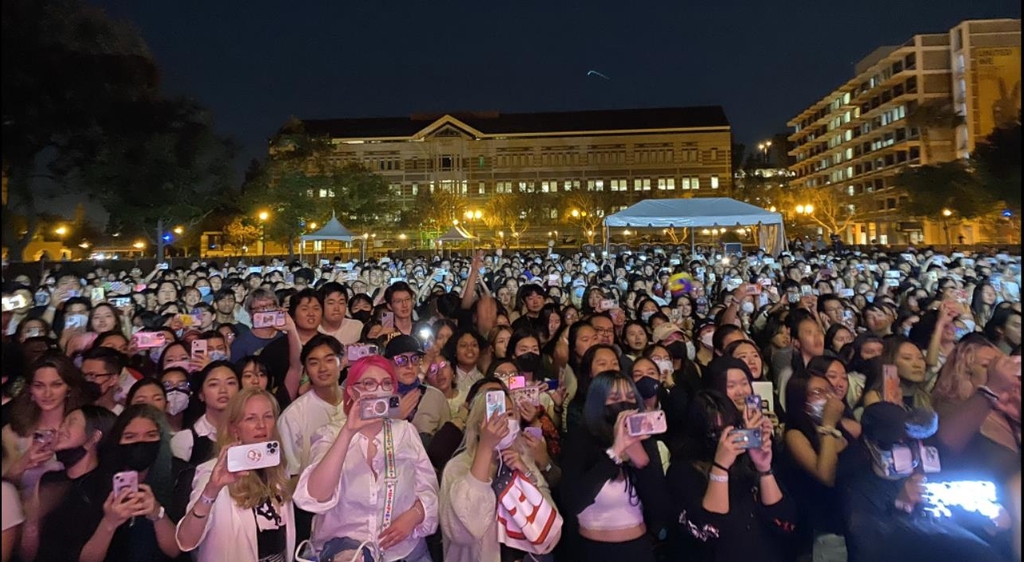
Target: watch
159, 515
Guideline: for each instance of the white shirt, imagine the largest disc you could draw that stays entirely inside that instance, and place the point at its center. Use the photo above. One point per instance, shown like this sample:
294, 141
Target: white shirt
356, 507
181, 443
299, 421
229, 534
348, 333
465, 379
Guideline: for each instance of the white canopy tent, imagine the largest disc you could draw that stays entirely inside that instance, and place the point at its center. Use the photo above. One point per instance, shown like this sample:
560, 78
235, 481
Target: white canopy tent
703, 212
332, 231
455, 234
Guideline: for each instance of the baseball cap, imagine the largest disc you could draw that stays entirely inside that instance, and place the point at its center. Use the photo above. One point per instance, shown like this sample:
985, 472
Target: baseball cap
400, 345
665, 330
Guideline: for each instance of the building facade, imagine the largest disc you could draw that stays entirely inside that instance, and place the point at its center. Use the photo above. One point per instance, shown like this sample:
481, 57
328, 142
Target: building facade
623, 155
857, 139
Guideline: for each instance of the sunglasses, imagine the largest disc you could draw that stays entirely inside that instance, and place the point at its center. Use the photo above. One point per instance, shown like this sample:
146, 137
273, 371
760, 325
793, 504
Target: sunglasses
406, 360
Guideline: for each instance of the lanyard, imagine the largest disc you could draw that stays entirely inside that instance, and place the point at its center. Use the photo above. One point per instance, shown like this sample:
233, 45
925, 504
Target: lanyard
390, 474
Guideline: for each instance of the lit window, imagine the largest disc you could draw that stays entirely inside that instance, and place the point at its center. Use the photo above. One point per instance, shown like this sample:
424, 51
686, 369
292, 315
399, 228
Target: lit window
481, 187
545, 187
415, 189
637, 184
599, 185
714, 182
685, 183
647, 184
696, 183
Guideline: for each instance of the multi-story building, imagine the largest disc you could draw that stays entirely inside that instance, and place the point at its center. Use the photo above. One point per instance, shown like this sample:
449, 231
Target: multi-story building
629, 155
857, 139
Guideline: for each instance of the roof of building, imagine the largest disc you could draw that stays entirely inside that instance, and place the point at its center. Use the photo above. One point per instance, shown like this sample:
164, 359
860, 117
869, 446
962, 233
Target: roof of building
495, 123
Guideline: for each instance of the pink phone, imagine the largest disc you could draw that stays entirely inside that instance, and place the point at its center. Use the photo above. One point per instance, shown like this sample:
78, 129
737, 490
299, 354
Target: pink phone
127, 480
387, 320
199, 348
647, 423
534, 432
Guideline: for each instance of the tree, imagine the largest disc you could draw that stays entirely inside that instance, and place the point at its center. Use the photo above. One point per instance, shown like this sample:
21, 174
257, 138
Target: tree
514, 211
435, 210
998, 165
587, 209
362, 197
72, 76
241, 232
931, 118
830, 209
949, 185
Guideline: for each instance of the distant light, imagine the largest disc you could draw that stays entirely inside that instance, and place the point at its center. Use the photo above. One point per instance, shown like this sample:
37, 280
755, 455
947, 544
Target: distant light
1007, 213
179, 230
167, 237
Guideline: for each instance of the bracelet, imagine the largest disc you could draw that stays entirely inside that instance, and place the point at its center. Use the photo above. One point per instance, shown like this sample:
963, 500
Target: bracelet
529, 475
207, 500
722, 468
196, 515
829, 430
718, 478
765, 473
611, 454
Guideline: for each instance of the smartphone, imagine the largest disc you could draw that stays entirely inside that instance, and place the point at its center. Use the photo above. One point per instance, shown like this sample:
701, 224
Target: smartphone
356, 352
892, 274
891, 385
256, 269
495, 403
753, 289
45, 438
14, 302
187, 320
552, 384
271, 319
75, 321
149, 340
608, 304
846, 293
535, 432
120, 302
376, 407
647, 423
765, 391
163, 266
96, 295
528, 394
960, 295
199, 348
806, 290
387, 320
553, 280
930, 462
747, 438
126, 481
516, 382
426, 336
254, 456
753, 404
792, 298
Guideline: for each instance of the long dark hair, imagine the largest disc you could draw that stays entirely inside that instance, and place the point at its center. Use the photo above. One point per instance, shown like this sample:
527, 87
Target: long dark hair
710, 411
584, 375
159, 476
24, 413
594, 406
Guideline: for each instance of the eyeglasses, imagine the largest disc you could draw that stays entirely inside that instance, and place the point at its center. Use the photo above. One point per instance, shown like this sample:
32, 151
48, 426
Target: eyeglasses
96, 377
406, 360
435, 367
604, 330
370, 385
182, 386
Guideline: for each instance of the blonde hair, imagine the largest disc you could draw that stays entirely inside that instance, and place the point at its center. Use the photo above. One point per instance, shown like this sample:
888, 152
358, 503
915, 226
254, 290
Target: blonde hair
254, 488
954, 383
477, 413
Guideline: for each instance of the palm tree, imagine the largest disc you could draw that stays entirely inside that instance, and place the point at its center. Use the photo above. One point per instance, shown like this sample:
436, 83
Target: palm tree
933, 116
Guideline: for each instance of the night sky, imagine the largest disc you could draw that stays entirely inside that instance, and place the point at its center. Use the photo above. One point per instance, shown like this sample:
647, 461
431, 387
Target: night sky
255, 63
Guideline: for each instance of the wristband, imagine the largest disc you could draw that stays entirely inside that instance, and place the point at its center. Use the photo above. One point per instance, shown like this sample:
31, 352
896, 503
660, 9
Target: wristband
716, 465
829, 430
718, 478
764, 473
611, 454
196, 515
988, 393
206, 500
159, 515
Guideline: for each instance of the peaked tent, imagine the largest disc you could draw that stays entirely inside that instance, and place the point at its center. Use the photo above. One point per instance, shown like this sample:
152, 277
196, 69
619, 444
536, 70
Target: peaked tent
332, 231
455, 234
703, 212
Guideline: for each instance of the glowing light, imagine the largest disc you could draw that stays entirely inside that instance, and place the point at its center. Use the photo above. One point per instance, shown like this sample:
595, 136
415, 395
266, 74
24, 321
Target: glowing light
263, 216
61, 230
139, 244
179, 230
947, 213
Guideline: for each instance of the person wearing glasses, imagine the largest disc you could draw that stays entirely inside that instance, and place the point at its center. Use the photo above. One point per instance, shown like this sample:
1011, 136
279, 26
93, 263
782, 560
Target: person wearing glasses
401, 300
102, 366
348, 488
422, 405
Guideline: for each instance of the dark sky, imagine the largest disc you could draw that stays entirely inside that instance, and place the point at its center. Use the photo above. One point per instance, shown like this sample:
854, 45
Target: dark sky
255, 63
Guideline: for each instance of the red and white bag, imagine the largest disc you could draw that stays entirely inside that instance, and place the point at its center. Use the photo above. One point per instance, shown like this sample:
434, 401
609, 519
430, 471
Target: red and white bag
527, 521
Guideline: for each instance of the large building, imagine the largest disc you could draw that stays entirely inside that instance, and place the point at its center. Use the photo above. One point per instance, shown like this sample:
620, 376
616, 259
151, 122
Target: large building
856, 139
629, 155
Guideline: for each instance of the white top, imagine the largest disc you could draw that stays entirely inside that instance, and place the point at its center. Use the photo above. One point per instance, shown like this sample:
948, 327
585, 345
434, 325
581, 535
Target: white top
356, 507
455, 403
613, 509
299, 421
230, 531
348, 333
469, 510
181, 443
432, 413
465, 379
12, 514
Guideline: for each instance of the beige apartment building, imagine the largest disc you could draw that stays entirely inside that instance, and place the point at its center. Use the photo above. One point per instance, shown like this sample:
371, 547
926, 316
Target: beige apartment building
628, 155
856, 139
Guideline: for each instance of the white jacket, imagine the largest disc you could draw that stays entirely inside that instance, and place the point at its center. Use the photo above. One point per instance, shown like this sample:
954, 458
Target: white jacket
468, 512
230, 532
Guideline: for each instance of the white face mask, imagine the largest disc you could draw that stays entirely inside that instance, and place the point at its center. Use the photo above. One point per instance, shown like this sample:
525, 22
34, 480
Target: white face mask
747, 307
708, 339
513, 432
177, 401
663, 366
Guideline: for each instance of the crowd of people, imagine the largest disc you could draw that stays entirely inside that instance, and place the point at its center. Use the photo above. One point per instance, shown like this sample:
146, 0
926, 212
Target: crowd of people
657, 404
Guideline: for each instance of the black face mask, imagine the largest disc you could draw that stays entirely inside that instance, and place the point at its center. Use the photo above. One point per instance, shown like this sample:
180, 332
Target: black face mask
362, 316
92, 391
139, 456
647, 387
70, 457
677, 350
612, 411
529, 362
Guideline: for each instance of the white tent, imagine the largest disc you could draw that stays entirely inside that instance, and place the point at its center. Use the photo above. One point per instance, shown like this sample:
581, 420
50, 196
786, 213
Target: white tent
455, 234
332, 231
703, 212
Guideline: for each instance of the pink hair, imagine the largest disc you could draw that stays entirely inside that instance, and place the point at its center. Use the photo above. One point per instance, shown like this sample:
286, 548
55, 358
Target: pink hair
359, 368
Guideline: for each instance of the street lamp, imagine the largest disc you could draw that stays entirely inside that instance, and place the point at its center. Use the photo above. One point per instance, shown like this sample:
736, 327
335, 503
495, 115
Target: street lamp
946, 213
764, 147
263, 216
179, 230
312, 226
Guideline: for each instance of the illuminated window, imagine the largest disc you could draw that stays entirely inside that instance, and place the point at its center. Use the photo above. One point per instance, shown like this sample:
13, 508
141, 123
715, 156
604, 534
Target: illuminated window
714, 182
599, 185
481, 188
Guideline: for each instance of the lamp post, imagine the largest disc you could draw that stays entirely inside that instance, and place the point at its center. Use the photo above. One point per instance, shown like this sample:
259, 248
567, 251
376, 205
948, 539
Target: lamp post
946, 213
764, 147
263, 216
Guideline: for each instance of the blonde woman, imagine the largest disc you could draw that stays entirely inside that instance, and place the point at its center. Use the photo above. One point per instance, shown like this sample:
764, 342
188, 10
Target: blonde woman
469, 506
243, 515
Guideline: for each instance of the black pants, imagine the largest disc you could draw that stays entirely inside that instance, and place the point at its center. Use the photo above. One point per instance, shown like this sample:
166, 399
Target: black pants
637, 550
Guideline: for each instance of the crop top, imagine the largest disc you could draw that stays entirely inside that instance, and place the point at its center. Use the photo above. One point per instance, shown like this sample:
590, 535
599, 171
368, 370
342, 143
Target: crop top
615, 507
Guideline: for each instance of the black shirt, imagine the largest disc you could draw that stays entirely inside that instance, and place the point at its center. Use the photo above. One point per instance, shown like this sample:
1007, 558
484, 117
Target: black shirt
74, 508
